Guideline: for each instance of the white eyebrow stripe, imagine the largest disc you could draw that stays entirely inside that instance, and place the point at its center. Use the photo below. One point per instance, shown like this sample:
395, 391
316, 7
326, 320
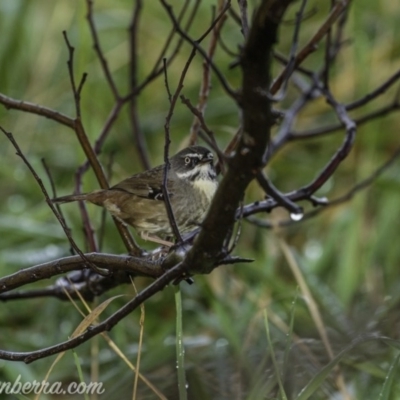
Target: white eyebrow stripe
193, 155
199, 156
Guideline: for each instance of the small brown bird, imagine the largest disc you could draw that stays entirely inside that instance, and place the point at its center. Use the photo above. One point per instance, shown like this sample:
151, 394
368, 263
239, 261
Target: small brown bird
139, 200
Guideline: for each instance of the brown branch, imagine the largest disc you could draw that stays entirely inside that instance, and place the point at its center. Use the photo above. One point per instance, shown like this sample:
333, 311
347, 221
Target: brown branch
311, 46
158, 285
76, 90
195, 48
133, 112
98, 145
210, 138
134, 265
291, 65
323, 203
129, 242
104, 212
48, 201
247, 161
13, 104
77, 126
167, 141
285, 135
104, 326
375, 93
280, 198
99, 51
88, 230
243, 17
157, 69
206, 80
195, 44
322, 131
341, 153
54, 193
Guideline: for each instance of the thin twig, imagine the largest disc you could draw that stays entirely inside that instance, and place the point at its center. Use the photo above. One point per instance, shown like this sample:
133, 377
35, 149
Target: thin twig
325, 130
88, 230
291, 65
206, 79
103, 326
13, 104
272, 191
311, 46
129, 242
76, 90
375, 93
49, 202
157, 69
99, 51
164, 187
133, 265
210, 134
196, 46
243, 17
102, 229
141, 147
324, 203
328, 60
54, 191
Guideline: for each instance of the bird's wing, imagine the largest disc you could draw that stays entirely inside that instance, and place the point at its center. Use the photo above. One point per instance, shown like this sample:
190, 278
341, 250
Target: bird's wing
147, 184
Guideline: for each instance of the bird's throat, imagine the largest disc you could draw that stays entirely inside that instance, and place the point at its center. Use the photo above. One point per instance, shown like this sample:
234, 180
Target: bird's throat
206, 186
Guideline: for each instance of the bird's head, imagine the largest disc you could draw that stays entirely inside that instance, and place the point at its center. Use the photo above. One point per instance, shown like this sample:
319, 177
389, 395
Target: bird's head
194, 163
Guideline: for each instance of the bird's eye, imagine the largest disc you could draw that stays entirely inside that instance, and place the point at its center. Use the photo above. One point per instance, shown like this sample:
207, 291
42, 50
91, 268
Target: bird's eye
187, 160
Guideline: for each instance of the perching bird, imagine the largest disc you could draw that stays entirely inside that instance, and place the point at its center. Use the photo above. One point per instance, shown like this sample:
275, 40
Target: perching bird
139, 200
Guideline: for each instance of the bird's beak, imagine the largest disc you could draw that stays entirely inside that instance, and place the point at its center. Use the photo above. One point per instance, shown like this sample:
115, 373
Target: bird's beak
207, 160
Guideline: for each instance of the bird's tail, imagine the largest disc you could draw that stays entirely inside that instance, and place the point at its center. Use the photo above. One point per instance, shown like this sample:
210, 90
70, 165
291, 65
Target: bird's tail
68, 199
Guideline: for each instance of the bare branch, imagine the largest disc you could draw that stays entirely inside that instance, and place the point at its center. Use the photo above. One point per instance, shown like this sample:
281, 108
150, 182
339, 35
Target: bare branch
196, 46
206, 81
49, 202
281, 199
311, 46
99, 51
94, 162
323, 203
375, 93
134, 116
247, 161
167, 142
12, 104
106, 325
243, 17
75, 90
110, 262
325, 130
210, 138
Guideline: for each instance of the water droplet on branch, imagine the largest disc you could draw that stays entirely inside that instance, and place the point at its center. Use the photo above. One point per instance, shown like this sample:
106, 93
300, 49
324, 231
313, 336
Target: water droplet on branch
296, 216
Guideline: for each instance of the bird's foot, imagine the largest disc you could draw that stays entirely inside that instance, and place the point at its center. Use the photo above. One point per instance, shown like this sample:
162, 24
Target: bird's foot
155, 239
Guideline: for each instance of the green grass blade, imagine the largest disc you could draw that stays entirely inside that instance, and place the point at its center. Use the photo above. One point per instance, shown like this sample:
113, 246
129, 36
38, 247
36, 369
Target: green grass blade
289, 335
80, 373
180, 349
387, 385
276, 367
320, 377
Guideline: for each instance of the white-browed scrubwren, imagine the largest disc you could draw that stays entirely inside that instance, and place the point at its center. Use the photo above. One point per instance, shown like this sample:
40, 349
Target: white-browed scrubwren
139, 201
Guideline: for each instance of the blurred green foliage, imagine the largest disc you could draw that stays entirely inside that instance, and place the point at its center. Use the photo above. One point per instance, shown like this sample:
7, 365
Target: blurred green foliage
348, 254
